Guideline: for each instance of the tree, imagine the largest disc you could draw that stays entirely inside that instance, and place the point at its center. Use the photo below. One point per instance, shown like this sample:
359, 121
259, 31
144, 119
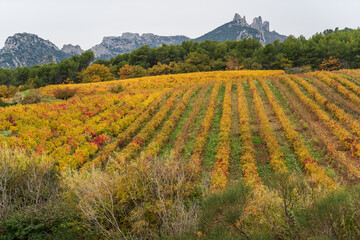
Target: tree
199, 61
160, 69
67, 69
281, 62
96, 73
330, 64
85, 59
7, 77
126, 71
232, 63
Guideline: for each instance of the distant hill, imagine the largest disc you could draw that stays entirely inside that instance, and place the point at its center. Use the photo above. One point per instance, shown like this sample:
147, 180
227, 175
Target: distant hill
113, 46
239, 29
25, 49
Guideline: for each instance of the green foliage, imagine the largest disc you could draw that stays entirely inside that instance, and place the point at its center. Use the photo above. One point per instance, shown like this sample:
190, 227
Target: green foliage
53, 221
2, 103
215, 216
287, 209
334, 215
32, 204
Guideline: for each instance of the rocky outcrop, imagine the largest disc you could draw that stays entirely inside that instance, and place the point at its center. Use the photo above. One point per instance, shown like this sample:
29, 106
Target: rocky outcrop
239, 29
127, 42
240, 21
71, 49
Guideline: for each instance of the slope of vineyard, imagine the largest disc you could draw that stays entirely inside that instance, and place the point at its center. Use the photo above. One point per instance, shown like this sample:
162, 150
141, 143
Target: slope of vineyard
306, 125
97, 124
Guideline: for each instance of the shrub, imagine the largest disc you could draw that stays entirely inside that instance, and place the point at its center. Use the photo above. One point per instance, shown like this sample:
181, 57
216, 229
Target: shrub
126, 72
31, 202
296, 70
117, 88
7, 91
30, 97
145, 202
64, 92
2, 103
160, 69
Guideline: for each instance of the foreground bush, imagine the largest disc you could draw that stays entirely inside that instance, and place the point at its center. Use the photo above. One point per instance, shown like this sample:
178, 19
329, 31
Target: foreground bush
287, 209
155, 198
28, 97
64, 92
130, 201
31, 202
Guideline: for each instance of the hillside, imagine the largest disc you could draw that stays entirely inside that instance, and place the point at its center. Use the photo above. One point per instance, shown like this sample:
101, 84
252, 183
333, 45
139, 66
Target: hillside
240, 143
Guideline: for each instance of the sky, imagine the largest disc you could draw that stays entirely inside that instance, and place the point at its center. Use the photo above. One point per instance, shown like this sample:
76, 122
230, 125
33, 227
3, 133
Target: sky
86, 22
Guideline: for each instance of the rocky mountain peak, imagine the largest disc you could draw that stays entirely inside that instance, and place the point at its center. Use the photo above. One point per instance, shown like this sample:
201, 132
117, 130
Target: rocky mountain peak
26, 49
259, 25
266, 26
71, 49
240, 20
24, 40
130, 36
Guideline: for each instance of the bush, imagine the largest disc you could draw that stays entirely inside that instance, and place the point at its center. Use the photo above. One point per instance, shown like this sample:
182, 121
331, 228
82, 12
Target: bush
32, 205
64, 92
2, 103
117, 88
7, 91
147, 203
296, 70
30, 97
128, 71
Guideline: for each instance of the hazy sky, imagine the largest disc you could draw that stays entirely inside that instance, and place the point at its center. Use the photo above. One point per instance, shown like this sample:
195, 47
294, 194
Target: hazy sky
86, 22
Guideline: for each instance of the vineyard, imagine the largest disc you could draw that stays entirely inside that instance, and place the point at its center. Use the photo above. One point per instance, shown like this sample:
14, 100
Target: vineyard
219, 127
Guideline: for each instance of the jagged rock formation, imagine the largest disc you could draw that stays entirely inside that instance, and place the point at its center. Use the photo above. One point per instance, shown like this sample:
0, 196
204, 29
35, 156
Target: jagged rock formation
25, 49
71, 49
239, 29
241, 21
127, 42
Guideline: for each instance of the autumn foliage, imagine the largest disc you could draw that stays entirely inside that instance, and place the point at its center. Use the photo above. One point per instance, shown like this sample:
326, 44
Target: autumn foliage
330, 64
140, 158
95, 73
